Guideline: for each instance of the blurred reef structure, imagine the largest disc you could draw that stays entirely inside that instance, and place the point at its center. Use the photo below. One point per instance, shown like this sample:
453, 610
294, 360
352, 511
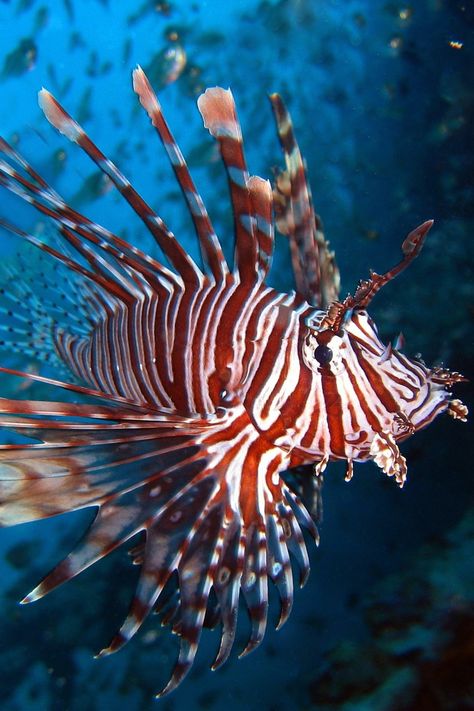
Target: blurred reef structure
420, 650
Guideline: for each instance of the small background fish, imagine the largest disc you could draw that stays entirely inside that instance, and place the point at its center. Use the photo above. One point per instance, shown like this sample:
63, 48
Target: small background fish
384, 110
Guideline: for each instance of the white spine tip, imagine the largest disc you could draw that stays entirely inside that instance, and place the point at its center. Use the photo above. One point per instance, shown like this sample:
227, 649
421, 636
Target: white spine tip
103, 653
43, 96
58, 117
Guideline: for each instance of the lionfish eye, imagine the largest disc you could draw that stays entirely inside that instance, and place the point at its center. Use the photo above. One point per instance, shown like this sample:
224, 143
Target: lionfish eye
323, 355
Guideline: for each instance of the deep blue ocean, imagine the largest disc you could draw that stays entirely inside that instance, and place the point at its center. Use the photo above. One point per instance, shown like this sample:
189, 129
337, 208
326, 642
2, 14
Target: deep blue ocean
382, 101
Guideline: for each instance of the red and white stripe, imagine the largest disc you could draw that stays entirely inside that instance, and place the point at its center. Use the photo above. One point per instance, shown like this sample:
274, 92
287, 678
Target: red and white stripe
201, 386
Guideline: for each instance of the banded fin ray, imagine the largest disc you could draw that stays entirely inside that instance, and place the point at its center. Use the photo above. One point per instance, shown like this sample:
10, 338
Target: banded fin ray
211, 249
210, 552
175, 486
217, 108
314, 267
66, 125
50, 203
261, 199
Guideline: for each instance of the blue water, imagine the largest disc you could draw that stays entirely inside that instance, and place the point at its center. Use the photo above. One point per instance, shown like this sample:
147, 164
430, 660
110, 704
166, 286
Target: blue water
383, 107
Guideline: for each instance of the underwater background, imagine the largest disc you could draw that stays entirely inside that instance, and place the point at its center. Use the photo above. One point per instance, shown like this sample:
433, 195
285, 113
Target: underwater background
382, 101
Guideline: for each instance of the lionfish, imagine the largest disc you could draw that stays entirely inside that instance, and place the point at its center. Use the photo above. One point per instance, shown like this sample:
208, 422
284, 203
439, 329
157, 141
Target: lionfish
195, 388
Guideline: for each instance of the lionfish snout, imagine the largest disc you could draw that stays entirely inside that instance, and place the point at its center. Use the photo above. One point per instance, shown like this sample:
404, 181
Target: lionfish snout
366, 396
413, 393
445, 379
432, 394
431, 398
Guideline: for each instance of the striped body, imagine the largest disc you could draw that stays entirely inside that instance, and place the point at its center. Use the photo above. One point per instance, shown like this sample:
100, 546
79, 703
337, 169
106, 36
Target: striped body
198, 386
229, 347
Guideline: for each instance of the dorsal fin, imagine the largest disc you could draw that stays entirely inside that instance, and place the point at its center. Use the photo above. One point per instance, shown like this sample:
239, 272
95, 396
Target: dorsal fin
66, 125
217, 108
315, 270
261, 199
211, 249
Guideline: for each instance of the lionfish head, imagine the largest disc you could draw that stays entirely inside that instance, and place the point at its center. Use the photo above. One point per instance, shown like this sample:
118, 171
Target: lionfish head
374, 395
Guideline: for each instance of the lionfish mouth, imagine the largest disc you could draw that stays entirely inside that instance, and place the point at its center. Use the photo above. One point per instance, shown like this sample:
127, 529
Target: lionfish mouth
446, 379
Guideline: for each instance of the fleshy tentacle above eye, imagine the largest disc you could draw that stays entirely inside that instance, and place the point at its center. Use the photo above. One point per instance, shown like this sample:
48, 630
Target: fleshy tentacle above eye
368, 288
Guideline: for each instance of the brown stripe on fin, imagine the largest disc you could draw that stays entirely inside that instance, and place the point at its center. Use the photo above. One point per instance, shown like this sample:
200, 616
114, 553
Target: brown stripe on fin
50, 203
175, 479
217, 108
227, 583
255, 584
261, 197
211, 249
196, 575
66, 125
315, 270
